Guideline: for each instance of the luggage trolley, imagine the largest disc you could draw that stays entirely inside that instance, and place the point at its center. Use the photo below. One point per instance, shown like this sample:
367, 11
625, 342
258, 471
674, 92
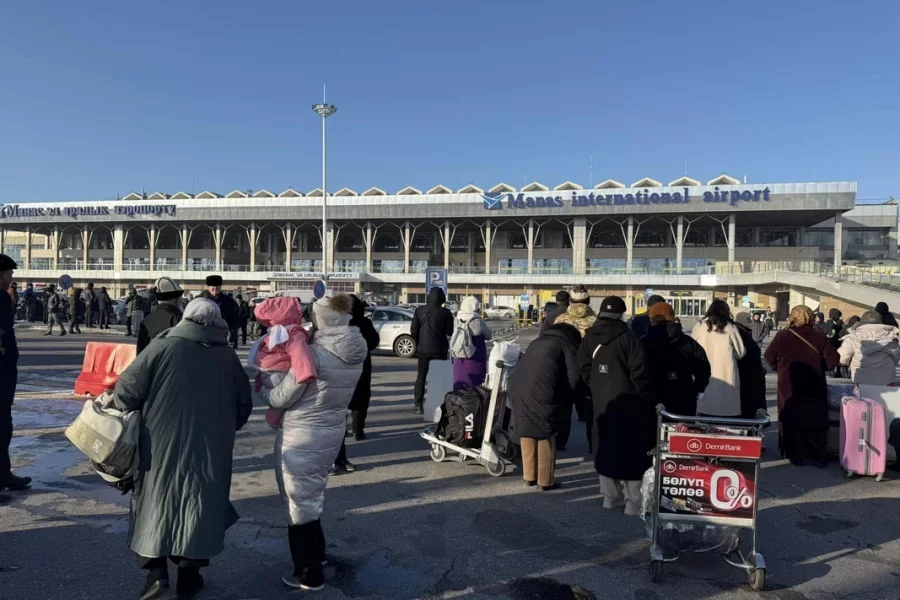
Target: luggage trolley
705, 475
489, 454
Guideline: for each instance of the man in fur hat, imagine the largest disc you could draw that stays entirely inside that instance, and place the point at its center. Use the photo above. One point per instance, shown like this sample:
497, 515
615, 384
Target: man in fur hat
227, 306
166, 315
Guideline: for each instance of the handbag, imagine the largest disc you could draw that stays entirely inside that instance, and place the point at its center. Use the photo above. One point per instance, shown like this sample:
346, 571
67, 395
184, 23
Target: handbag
109, 437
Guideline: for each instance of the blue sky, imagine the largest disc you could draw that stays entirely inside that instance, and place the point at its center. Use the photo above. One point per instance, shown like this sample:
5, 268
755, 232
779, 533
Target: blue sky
99, 98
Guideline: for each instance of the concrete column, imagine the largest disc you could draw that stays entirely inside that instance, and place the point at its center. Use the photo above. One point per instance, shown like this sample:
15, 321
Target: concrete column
217, 238
152, 236
185, 241
407, 242
118, 247
679, 244
487, 247
56, 237
85, 242
289, 243
252, 235
801, 234
579, 246
370, 240
27, 246
629, 247
530, 242
329, 263
838, 239
731, 241
2, 241
446, 244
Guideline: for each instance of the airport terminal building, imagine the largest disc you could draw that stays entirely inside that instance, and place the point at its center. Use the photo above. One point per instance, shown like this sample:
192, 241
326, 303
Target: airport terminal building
687, 241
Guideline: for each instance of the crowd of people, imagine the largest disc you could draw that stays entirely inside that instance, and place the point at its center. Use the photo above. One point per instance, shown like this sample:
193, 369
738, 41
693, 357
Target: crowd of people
613, 373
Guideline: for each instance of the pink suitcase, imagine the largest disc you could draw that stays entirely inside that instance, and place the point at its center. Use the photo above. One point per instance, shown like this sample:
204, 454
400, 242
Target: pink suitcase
863, 437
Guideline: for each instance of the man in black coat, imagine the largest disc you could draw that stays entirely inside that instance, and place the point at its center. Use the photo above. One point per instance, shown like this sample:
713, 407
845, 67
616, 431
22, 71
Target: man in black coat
9, 373
103, 306
243, 310
431, 328
166, 315
562, 305
90, 304
546, 378
640, 324
679, 368
613, 363
227, 306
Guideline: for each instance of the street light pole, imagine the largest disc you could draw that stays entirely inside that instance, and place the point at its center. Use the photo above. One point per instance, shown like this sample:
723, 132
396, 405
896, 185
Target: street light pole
324, 111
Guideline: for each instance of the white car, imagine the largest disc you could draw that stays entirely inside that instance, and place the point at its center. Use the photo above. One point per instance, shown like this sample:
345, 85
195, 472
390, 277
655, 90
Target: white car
393, 326
500, 312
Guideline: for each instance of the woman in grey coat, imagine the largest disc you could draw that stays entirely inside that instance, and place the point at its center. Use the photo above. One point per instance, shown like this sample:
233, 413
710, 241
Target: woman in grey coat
193, 394
311, 432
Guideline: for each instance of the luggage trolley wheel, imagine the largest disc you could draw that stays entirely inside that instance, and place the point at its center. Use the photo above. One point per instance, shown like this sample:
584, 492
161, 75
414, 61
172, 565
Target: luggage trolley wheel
656, 567
757, 579
438, 453
497, 469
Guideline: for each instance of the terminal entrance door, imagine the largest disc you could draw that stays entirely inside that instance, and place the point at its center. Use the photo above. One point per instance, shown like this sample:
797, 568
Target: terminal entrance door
688, 306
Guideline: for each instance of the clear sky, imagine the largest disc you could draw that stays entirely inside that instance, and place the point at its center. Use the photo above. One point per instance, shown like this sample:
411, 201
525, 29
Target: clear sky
99, 98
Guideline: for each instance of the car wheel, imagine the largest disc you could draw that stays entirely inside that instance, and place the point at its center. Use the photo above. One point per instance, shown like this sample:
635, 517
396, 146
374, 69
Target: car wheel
405, 346
508, 315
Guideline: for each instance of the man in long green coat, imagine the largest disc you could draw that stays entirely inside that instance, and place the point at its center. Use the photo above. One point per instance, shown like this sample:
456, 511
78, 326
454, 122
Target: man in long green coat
193, 394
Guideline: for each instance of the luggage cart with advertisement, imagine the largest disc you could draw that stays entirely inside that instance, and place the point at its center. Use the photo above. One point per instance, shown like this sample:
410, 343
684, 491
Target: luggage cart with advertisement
490, 454
705, 475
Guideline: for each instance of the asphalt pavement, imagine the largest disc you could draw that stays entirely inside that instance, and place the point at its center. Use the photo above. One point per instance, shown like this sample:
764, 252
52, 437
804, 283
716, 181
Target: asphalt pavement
404, 526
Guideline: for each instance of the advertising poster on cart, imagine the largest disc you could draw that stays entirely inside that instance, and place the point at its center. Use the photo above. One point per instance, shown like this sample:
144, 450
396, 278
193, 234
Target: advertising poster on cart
724, 492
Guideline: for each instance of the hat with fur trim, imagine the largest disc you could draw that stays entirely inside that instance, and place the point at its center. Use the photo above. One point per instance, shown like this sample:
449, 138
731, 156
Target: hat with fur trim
333, 311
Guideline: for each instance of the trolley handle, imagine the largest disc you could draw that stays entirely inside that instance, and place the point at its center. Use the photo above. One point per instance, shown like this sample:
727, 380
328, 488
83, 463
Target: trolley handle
762, 418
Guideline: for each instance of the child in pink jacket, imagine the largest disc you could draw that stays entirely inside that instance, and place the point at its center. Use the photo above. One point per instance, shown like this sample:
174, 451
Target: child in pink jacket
284, 347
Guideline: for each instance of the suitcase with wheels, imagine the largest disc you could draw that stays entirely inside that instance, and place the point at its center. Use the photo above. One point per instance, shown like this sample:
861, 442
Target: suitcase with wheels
863, 437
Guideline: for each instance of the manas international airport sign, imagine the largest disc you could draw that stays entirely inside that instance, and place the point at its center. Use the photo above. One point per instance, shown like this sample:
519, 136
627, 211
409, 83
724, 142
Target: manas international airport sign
514, 201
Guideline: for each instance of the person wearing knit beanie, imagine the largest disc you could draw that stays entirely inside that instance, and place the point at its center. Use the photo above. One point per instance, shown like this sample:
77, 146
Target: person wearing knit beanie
662, 312
677, 363
579, 314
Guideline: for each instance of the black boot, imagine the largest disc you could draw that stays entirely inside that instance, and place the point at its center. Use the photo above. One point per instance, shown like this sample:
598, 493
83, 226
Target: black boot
307, 544
189, 583
157, 583
15, 483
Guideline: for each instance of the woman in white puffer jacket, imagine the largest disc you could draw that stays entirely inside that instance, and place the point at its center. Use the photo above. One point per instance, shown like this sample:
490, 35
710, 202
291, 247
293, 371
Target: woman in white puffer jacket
313, 427
872, 351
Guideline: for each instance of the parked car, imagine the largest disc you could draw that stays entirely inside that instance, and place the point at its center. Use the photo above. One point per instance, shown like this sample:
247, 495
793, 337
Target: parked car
393, 325
118, 309
550, 306
500, 312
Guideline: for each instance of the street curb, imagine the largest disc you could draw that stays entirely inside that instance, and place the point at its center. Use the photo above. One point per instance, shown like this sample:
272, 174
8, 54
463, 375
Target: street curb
22, 326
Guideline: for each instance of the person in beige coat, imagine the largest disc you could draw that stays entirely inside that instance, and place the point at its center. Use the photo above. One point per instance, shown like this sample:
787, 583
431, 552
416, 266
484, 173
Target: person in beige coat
723, 345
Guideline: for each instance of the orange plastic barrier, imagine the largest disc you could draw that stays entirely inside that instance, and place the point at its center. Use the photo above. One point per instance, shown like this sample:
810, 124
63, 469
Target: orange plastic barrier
103, 363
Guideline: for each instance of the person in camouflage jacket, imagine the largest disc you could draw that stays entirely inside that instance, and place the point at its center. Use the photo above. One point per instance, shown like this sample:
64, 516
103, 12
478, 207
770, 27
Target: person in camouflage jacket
579, 313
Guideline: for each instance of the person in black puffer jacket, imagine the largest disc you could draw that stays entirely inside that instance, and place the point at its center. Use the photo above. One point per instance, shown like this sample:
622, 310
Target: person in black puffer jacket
678, 364
166, 315
431, 328
613, 363
887, 317
546, 377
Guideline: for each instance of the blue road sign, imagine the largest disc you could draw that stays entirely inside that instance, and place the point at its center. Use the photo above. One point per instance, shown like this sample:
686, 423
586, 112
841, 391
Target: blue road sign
435, 277
318, 289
